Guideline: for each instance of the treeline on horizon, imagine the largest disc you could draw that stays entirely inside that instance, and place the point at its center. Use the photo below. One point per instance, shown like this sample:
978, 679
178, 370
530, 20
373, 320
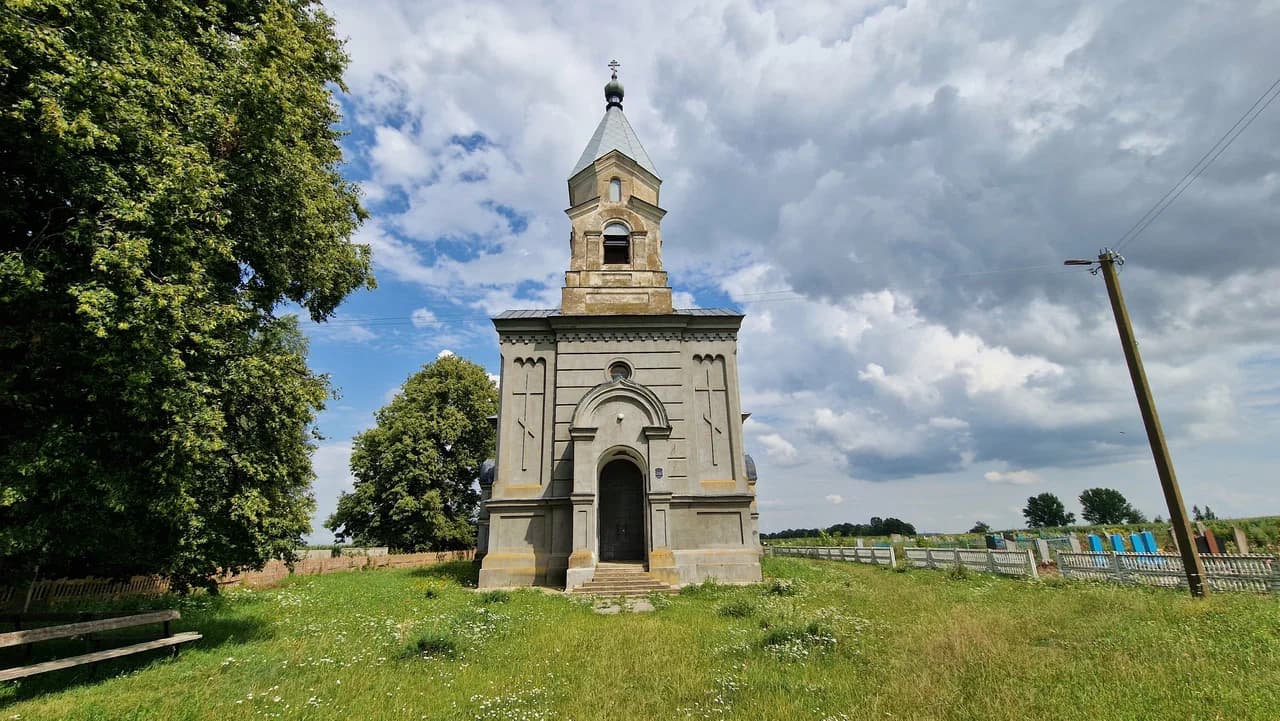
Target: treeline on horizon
877, 527
1262, 532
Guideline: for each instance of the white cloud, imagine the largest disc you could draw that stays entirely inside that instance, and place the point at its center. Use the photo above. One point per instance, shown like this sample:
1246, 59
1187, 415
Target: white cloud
341, 332
446, 353
777, 447
1217, 414
332, 464
835, 499
423, 318
1016, 478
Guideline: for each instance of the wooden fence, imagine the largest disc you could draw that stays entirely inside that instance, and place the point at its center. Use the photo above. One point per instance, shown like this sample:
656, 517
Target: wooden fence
1007, 563
54, 591
880, 556
1225, 572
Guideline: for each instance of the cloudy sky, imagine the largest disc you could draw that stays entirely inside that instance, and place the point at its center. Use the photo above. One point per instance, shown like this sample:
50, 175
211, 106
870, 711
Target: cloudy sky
887, 190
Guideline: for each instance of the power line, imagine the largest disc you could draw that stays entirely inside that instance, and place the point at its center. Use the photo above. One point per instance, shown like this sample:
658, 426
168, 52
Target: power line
789, 295
1201, 165
768, 296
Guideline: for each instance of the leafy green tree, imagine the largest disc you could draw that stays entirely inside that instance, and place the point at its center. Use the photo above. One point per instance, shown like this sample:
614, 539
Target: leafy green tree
1046, 511
415, 471
1106, 506
170, 179
980, 527
889, 526
1206, 515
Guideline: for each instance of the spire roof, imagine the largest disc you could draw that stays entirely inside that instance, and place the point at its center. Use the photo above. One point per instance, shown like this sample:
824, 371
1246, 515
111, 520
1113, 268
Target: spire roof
614, 133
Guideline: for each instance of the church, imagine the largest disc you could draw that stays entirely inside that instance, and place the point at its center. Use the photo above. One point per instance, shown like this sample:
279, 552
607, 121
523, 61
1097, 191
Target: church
620, 426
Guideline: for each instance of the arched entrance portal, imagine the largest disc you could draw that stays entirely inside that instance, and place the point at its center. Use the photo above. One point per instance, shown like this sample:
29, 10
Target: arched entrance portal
621, 512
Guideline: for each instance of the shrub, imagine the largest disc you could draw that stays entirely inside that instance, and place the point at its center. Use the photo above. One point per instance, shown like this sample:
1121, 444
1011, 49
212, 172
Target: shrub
959, 572
741, 608
782, 587
707, 588
431, 644
495, 597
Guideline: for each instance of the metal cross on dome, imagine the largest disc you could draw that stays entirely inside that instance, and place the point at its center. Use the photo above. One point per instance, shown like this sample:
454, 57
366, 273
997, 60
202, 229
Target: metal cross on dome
614, 65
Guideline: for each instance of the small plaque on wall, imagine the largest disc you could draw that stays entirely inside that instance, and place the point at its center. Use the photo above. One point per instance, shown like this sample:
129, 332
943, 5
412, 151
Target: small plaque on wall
657, 473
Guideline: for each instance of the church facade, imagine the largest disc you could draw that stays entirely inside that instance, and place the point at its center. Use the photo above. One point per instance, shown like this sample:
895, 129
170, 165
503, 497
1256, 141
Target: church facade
620, 426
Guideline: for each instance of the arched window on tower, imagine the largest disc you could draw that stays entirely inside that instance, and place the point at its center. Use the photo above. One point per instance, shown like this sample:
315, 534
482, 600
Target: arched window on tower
617, 244
615, 191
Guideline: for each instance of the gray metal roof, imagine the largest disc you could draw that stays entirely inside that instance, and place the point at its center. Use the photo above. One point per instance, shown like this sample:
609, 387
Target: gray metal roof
551, 312
614, 133
707, 311
534, 313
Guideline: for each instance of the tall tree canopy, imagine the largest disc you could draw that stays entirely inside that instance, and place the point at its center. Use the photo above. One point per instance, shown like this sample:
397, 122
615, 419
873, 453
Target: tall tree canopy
170, 178
415, 471
877, 527
1107, 506
1046, 511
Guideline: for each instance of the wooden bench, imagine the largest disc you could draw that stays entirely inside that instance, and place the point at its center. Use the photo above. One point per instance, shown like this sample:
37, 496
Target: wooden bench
170, 640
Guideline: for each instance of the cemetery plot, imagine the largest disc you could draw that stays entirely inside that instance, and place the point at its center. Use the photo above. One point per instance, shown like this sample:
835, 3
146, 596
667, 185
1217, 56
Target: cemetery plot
1257, 573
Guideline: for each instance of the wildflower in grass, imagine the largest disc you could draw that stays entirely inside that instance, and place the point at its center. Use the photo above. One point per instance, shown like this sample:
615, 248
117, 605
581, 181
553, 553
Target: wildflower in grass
795, 642
782, 587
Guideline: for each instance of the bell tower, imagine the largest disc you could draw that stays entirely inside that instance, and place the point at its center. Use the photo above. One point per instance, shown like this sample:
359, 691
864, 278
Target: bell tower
620, 436
615, 265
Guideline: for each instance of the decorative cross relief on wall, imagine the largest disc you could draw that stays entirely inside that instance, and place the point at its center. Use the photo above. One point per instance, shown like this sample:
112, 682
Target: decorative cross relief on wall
713, 412
528, 394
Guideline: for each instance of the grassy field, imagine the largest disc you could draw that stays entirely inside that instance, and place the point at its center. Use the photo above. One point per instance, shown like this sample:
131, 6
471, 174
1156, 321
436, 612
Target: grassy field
819, 640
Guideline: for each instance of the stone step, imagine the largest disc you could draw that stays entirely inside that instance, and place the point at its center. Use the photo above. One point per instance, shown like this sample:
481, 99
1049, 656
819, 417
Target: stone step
637, 583
622, 579
612, 592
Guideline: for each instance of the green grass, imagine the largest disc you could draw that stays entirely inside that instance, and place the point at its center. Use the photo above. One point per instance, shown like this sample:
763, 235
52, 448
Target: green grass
829, 641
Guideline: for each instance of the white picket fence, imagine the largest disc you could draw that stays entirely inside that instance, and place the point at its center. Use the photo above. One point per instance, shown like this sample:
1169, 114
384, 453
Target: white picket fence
1008, 563
880, 556
1225, 572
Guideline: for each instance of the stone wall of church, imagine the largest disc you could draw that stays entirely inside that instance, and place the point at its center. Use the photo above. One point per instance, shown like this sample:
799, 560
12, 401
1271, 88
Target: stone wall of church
549, 365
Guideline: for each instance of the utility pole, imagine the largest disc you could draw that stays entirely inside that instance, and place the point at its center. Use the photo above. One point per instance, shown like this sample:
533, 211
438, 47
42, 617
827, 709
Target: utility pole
1107, 262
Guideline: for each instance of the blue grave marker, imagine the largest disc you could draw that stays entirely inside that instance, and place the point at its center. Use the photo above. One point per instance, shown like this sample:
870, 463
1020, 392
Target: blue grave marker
1095, 543
1152, 546
1117, 543
1139, 543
